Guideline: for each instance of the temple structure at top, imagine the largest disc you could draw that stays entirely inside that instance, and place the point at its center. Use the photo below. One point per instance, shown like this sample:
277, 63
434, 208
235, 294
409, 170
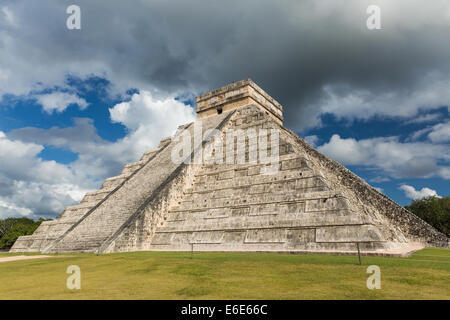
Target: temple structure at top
235, 95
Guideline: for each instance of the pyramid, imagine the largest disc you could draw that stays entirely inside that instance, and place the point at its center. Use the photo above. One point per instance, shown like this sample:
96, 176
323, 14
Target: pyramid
291, 198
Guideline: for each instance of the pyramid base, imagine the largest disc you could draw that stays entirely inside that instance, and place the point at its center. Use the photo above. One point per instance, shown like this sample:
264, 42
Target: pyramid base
403, 251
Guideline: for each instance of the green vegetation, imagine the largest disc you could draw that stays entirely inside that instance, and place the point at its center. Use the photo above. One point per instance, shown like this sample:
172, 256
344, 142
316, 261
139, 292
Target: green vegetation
12, 228
173, 275
435, 211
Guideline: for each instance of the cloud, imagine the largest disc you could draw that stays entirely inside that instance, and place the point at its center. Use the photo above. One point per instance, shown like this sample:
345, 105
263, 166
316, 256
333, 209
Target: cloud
350, 102
8, 210
412, 193
59, 101
390, 156
312, 140
144, 110
440, 133
68, 138
418, 134
9, 16
380, 190
30, 186
313, 57
425, 118
379, 179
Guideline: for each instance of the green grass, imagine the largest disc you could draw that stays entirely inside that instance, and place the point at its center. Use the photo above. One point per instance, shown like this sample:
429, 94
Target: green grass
170, 275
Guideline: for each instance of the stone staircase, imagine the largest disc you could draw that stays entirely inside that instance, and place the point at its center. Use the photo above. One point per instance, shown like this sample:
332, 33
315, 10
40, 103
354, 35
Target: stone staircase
49, 231
97, 228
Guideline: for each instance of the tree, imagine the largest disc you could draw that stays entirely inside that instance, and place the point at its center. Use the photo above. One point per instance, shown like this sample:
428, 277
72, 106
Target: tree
5, 225
13, 228
434, 210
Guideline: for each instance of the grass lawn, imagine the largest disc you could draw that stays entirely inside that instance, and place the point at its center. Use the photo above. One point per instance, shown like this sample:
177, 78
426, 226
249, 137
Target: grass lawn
171, 275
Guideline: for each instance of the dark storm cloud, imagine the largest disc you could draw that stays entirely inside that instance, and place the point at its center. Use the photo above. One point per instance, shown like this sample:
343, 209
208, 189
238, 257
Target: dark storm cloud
312, 56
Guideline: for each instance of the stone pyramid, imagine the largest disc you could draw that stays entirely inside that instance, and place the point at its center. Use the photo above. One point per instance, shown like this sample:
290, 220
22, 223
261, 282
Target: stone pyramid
306, 202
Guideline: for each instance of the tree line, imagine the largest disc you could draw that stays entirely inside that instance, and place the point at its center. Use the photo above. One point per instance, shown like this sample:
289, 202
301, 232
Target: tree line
434, 210
13, 228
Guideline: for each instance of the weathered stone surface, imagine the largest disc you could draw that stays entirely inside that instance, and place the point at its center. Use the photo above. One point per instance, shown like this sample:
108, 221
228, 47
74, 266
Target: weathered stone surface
237, 94
309, 204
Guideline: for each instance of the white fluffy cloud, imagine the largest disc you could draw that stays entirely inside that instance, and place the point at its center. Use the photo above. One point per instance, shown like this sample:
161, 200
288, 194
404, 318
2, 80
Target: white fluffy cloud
59, 101
31, 186
424, 118
392, 157
150, 119
412, 193
440, 132
8, 210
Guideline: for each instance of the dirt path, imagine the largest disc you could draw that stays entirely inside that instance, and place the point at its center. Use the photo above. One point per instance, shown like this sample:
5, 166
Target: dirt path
17, 258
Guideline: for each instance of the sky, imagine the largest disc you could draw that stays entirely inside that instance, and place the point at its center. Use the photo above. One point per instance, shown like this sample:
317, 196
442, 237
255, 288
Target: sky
76, 105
